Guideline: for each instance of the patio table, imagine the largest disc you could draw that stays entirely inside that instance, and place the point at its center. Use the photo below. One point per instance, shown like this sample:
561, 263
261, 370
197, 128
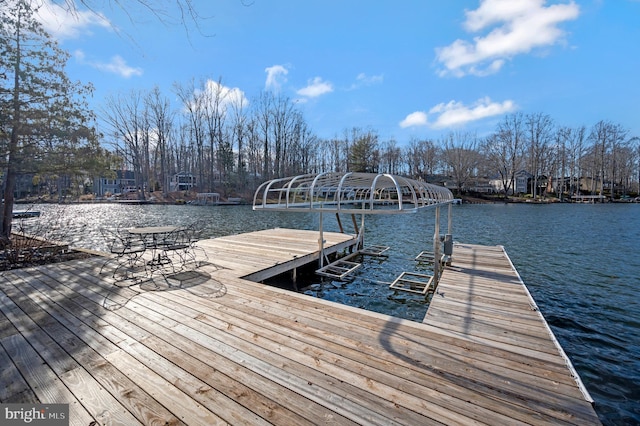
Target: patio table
160, 240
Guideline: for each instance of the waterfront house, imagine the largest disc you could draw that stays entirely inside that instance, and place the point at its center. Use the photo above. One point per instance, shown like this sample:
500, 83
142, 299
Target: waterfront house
521, 182
182, 181
123, 182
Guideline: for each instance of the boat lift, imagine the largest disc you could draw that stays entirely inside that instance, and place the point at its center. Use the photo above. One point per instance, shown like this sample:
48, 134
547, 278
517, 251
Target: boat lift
357, 194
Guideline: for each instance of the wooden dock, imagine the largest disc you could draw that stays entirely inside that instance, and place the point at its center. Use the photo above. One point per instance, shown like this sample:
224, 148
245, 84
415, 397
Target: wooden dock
209, 347
482, 297
257, 256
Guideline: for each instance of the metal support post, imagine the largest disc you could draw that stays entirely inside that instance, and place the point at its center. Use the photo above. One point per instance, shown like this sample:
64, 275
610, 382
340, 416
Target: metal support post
321, 244
436, 245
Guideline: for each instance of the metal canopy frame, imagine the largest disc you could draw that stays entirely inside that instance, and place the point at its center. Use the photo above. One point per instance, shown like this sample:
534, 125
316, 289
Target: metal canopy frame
353, 193
358, 193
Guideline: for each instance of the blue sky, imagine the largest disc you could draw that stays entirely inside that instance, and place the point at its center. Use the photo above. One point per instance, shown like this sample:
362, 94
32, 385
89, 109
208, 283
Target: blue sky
405, 68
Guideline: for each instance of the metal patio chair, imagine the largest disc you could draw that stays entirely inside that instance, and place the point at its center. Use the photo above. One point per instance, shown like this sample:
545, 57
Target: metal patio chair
193, 234
126, 251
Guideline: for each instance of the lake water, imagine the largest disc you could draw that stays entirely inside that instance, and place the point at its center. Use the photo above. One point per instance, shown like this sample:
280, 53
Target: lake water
581, 264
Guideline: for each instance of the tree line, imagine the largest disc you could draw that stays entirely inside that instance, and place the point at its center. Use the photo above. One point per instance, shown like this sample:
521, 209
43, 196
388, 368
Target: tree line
231, 144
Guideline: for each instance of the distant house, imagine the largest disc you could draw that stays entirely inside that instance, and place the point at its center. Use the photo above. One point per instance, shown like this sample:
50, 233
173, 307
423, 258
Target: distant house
124, 182
182, 181
520, 183
483, 185
496, 184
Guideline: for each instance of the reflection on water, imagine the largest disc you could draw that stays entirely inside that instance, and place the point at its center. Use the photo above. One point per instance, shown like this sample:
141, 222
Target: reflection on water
580, 262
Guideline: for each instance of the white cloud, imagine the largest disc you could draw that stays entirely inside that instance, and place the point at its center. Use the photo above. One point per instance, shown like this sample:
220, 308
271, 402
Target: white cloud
369, 79
227, 96
117, 65
62, 23
517, 27
276, 77
455, 113
215, 95
363, 79
418, 118
315, 88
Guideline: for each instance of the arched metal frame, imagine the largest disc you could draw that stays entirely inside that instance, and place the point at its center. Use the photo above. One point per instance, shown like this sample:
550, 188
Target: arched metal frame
353, 193
358, 193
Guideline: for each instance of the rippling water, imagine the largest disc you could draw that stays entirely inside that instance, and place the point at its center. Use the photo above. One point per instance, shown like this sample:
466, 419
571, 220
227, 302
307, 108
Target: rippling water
581, 263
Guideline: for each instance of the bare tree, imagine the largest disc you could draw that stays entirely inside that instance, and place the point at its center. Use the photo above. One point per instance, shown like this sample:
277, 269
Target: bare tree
264, 121
309, 146
572, 140
161, 117
254, 149
129, 121
390, 156
606, 138
220, 154
422, 157
634, 142
284, 118
184, 158
504, 150
336, 154
240, 132
461, 156
185, 12
301, 154
193, 112
625, 167
539, 134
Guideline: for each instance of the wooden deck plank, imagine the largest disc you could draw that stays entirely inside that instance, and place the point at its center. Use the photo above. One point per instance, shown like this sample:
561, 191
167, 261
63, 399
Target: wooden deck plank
335, 353
14, 388
465, 303
253, 254
107, 378
237, 348
42, 380
89, 348
262, 308
186, 382
491, 378
259, 342
532, 337
152, 412
216, 348
153, 324
256, 309
351, 322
